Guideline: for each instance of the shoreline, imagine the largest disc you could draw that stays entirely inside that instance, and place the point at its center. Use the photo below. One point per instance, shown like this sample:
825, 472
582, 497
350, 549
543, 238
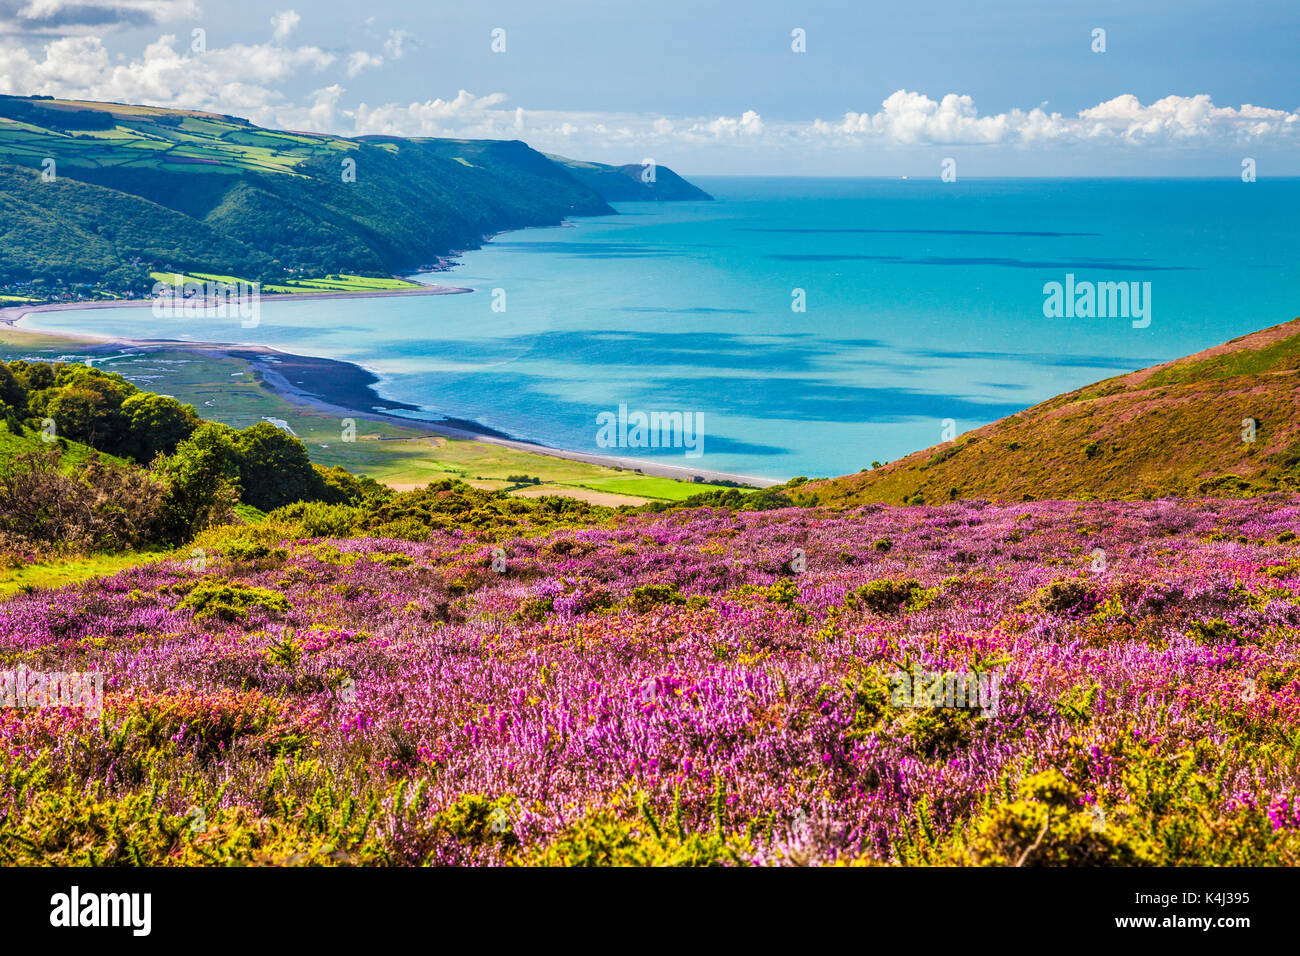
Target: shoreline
11, 315
356, 383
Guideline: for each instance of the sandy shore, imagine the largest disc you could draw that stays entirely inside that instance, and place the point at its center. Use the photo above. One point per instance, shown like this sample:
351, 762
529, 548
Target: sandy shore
344, 389
267, 362
10, 314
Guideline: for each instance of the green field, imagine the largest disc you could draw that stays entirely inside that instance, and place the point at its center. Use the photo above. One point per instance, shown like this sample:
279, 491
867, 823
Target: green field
334, 283
151, 138
647, 486
56, 574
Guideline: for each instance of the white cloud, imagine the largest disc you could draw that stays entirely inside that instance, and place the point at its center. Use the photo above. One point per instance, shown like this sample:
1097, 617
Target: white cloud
283, 23
749, 124
465, 115
65, 17
248, 80
361, 60
240, 79
907, 118
395, 45
1179, 118
320, 114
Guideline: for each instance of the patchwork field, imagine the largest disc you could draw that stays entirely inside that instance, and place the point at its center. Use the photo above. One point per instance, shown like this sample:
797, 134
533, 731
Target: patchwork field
335, 283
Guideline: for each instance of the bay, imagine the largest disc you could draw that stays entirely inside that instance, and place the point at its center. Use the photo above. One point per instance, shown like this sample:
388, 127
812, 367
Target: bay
922, 310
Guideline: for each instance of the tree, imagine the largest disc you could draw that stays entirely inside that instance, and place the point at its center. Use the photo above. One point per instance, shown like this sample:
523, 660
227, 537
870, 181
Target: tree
274, 468
155, 424
12, 393
342, 487
201, 480
79, 414
33, 375
86, 405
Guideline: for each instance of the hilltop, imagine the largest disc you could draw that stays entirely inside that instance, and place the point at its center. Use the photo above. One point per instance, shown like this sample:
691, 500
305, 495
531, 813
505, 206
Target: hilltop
136, 189
628, 183
1178, 428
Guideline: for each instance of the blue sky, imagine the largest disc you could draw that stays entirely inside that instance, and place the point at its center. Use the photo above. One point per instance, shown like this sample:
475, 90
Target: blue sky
1006, 88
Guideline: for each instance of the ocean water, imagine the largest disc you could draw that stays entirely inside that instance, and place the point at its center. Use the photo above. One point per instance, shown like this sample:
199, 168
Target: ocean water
923, 302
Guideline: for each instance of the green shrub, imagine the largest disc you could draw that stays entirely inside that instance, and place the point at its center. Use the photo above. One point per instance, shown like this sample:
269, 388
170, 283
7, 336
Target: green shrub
244, 549
230, 602
532, 610
646, 598
1213, 631
315, 519
891, 597
601, 839
1068, 596
475, 819
1047, 826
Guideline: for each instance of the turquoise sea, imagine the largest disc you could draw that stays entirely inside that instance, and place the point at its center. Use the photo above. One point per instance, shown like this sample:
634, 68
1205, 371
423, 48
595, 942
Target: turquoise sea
923, 302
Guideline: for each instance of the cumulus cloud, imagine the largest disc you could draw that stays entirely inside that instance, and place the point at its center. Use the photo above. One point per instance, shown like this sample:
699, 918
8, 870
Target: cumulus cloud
321, 114
907, 118
78, 16
394, 48
1179, 118
243, 79
464, 115
249, 80
749, 124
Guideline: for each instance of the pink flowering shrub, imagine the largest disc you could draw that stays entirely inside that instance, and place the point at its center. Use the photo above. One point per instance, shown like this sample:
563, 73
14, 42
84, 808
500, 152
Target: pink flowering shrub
691, 687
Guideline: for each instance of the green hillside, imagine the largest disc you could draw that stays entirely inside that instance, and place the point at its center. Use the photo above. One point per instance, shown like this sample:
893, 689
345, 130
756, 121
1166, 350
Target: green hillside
627, 183
1173, 429
79, 233
137, 189
18, 439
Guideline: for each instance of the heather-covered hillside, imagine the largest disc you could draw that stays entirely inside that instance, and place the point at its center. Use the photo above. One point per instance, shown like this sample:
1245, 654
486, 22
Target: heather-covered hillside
483, 686
1225, 421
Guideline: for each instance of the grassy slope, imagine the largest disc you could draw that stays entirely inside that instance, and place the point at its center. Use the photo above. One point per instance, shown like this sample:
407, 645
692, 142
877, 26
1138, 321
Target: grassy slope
261, 195
31, 442
57, 574
80, 231
1172, 429
625, 183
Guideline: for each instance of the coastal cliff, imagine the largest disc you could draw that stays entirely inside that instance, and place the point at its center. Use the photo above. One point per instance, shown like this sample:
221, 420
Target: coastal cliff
106, 194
